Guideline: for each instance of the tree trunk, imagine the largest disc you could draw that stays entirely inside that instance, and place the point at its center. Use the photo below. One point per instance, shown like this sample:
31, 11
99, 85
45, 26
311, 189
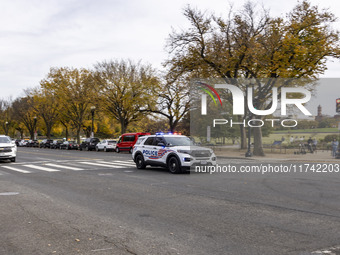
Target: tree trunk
48, 132
32, 134
172, 126
122, 127
78, 135
243, 137
258, 147
66, 133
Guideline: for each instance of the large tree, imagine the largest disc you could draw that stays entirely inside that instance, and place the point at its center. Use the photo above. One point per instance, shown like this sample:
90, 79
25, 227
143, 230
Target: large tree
251, 44
24, 115
46, 106
75, 92
173, 100
125, 89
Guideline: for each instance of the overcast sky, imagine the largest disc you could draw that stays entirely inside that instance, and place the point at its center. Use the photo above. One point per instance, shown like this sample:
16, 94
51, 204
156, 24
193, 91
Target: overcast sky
38, 34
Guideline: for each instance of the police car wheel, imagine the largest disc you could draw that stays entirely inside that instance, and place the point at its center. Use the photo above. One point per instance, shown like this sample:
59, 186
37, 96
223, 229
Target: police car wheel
174, 166
140, 164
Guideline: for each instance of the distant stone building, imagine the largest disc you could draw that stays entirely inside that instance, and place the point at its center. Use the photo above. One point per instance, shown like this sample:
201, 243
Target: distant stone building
320, 117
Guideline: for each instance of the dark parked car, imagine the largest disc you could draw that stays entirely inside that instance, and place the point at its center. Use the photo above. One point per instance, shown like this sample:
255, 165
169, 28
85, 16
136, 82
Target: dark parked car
56, 144
69, 145
46, 143
32, 143
17, 142
89, 144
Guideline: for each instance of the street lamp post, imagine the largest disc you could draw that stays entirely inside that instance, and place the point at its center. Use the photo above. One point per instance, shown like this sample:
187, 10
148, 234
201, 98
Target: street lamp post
248, 153
93, 108
6, 127
35, 127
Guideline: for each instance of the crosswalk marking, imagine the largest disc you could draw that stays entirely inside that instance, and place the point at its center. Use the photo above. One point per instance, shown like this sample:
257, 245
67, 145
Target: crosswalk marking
42, 168
126, 161
64, 167
131, 163
116, 163
98, 164
55, 166
16, 169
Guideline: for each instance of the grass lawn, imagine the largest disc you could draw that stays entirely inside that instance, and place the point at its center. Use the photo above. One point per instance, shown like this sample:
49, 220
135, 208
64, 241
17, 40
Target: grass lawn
313, 130
277, 137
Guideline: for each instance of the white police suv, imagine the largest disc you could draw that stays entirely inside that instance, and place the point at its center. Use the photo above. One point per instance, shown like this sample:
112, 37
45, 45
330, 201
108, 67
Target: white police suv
8, 149
176, 152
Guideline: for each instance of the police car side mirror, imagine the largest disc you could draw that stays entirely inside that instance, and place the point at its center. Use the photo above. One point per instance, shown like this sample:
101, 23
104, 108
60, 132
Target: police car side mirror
161, 144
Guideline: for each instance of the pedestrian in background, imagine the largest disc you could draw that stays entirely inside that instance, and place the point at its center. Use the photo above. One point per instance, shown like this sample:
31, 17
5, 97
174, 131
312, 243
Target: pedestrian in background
315, 143
335, 145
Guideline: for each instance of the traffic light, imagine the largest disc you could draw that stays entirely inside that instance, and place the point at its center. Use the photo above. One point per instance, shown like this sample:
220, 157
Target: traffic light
338, 105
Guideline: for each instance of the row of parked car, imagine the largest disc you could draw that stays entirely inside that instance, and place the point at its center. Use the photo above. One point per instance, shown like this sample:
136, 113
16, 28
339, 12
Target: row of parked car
88, 144
125, 143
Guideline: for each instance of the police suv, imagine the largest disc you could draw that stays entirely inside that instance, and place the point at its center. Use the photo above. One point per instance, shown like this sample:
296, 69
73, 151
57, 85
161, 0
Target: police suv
176, 152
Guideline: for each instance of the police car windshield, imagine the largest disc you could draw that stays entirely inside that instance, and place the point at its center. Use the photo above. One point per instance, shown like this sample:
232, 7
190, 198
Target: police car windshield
178, 141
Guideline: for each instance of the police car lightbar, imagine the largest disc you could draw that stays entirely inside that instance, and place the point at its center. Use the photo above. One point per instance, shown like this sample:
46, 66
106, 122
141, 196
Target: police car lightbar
169, 133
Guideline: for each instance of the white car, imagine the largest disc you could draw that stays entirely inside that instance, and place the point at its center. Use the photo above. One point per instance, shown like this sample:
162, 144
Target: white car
175, 152
23, 143
106, 145
8, 149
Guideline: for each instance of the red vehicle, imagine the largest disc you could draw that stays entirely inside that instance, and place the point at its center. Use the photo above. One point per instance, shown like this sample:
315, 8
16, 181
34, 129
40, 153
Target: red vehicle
127, 141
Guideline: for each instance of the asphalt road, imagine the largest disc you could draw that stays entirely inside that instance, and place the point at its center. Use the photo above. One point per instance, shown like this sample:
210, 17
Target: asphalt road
73, 202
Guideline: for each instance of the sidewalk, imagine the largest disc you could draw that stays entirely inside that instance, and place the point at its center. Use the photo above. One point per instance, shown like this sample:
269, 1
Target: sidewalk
318, 157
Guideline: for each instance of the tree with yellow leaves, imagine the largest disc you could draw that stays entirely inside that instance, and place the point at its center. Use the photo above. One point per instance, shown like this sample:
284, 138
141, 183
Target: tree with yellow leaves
75, 92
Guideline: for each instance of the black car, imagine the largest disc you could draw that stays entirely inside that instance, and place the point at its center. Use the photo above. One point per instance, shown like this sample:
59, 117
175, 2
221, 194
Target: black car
17, 142
69, 145
46, 143
32, 143
56, 144
89, 144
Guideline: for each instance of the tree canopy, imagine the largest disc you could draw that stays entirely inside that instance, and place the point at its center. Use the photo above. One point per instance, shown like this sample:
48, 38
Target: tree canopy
251, 44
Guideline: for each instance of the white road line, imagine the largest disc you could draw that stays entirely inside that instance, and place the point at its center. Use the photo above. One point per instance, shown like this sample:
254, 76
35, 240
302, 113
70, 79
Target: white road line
43, 168
34, 162
115, 163
17, 170
124, 163
65, 167
97, 164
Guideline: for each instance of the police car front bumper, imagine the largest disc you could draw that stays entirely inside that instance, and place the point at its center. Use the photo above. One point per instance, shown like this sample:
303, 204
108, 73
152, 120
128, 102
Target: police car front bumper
189, 161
